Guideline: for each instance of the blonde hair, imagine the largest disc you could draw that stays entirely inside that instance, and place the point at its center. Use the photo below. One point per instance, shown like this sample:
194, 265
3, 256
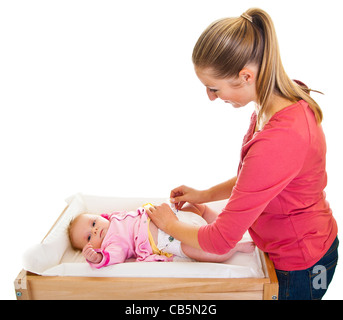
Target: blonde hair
72, 222
229, 44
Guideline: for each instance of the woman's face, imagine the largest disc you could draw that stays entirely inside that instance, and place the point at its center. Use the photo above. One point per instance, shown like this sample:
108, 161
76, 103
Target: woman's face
238, 91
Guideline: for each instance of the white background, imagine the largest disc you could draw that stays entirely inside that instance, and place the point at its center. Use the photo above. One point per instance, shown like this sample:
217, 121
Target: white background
100, 97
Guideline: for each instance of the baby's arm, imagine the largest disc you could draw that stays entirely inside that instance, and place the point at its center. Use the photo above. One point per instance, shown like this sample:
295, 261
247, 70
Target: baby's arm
112, 254
90, 254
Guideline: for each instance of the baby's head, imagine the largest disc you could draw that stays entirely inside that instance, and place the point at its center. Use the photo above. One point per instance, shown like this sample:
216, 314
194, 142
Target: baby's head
87, 228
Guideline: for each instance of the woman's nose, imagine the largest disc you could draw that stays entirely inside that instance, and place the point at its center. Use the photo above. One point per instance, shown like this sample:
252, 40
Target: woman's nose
211, 95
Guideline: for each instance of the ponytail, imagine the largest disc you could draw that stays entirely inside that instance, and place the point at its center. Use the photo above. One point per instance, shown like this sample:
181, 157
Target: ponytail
229, 44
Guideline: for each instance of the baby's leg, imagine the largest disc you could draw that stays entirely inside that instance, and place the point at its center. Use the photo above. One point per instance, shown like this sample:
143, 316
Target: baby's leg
204, 211
202, 256
209, 214
195, 208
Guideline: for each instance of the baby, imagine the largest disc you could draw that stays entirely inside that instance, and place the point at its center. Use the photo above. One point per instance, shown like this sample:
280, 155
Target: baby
113, 238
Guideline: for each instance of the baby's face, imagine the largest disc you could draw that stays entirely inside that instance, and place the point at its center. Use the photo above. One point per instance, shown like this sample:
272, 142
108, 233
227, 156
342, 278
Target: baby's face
91, 229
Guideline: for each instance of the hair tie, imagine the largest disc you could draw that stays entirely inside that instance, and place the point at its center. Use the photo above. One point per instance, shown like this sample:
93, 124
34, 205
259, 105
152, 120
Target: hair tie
247, 17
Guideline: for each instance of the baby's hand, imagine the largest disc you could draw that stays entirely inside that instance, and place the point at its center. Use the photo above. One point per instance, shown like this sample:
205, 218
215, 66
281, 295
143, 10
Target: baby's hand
90, 254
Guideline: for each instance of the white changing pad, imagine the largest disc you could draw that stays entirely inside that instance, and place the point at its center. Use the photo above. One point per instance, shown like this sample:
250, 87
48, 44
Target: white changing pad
55, 257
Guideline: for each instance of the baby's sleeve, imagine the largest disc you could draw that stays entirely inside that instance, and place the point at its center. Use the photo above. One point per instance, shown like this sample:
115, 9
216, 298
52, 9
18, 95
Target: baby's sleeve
112, 254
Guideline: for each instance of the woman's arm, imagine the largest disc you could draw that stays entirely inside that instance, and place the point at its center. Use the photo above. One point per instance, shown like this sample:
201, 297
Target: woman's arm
184, 194
221, 191
165, 219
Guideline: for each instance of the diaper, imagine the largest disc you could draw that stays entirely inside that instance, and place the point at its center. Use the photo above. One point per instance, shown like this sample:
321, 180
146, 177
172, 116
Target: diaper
168, 244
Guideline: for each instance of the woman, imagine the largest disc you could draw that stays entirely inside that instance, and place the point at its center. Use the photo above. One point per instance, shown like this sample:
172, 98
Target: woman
278, 192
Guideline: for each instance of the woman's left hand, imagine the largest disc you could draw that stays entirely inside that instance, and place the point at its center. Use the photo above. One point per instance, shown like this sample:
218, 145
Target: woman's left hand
161, 216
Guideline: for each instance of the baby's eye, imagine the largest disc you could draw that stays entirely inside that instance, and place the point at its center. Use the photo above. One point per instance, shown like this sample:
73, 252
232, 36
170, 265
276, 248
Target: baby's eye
89, 238
93, 223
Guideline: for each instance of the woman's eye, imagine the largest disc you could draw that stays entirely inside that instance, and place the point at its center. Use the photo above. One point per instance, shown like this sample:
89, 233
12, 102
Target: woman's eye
213, 90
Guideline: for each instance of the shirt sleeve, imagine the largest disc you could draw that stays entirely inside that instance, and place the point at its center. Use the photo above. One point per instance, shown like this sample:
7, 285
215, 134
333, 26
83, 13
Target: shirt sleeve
273, 159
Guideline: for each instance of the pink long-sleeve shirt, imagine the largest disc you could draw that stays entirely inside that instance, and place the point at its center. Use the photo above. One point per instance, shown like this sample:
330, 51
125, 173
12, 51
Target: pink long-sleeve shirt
279, 194
127, 237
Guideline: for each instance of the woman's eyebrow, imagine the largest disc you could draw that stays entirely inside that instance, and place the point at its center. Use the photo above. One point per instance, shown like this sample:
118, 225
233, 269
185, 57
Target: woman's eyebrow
212, 87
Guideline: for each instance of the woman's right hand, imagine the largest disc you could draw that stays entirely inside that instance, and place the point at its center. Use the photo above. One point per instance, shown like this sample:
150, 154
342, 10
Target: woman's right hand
180, 195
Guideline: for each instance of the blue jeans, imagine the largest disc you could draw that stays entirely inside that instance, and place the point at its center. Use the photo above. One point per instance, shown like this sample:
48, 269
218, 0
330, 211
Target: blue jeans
311, 283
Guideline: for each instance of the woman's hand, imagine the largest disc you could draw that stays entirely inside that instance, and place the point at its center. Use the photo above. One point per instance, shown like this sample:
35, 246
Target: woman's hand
162, 216
165, 219
180, 195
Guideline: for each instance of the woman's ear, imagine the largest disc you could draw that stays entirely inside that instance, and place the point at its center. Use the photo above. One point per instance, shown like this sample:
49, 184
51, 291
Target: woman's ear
248, 74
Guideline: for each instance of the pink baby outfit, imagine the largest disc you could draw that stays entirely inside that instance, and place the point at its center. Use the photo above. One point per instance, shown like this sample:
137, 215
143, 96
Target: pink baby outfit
127, 237
279, 194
